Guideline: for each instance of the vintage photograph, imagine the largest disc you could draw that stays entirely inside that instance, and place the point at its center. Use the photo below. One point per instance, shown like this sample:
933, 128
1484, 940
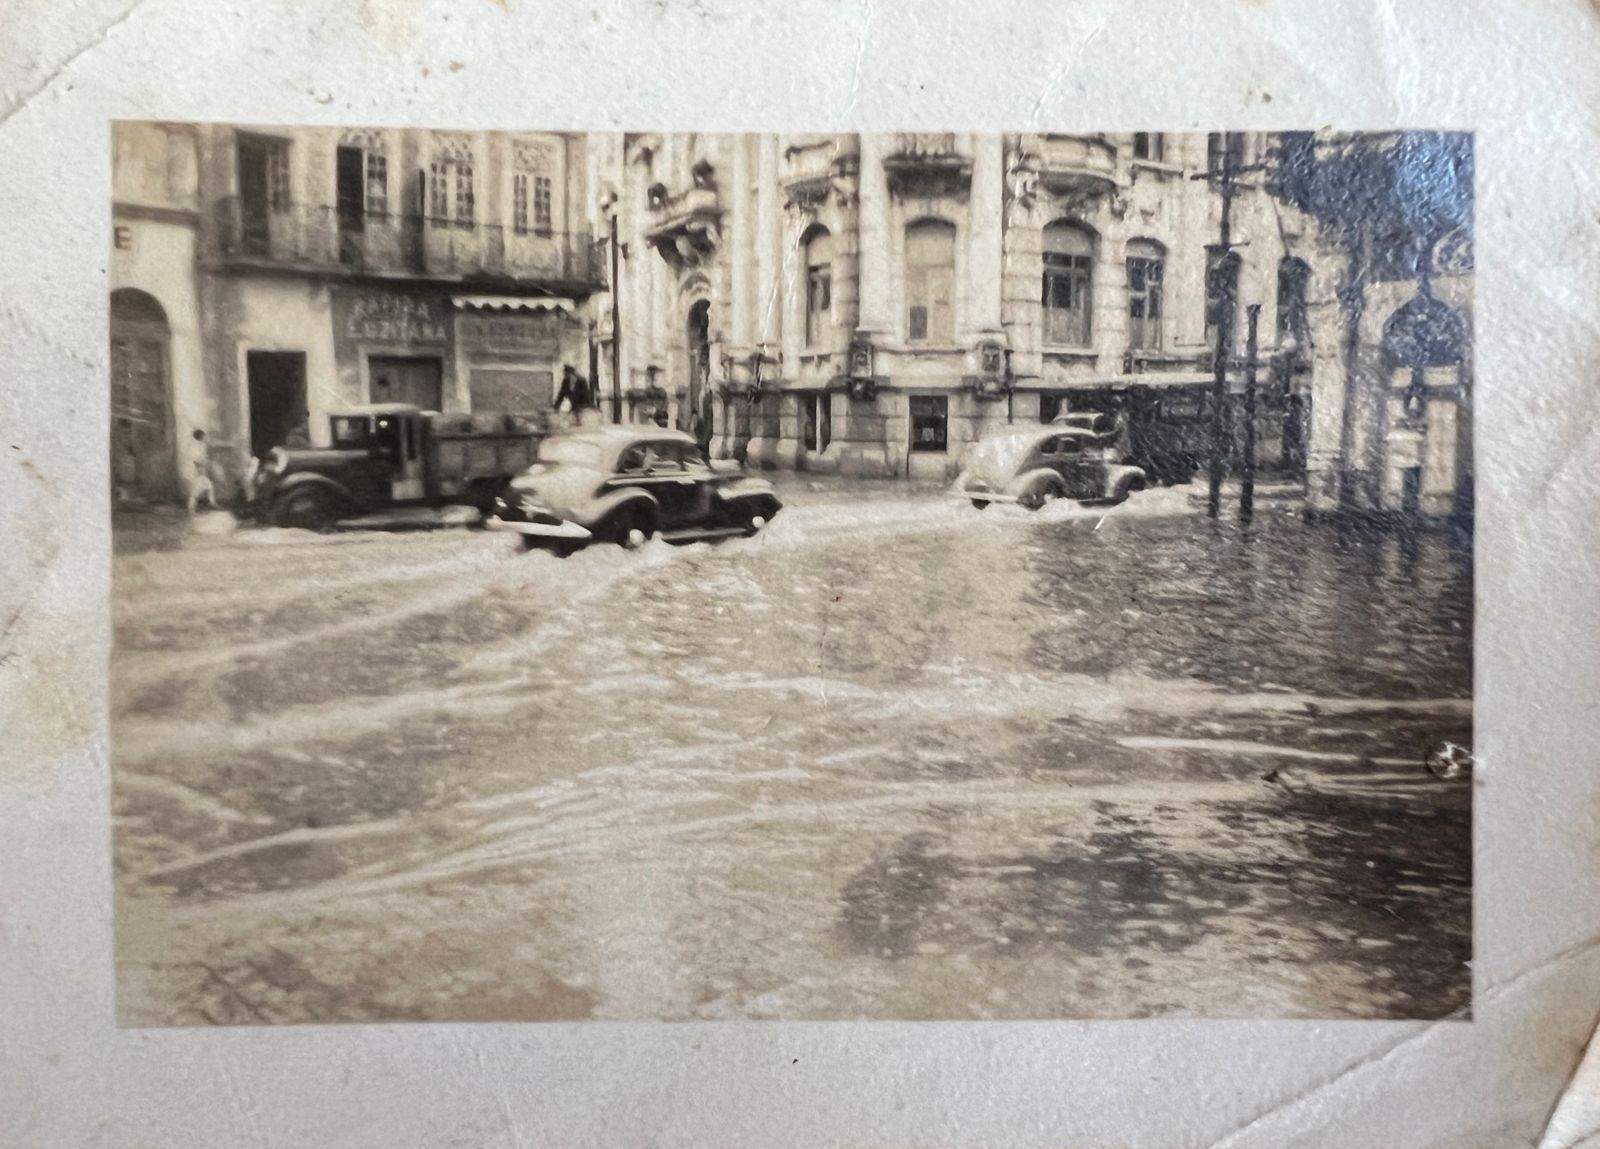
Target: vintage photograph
675, 576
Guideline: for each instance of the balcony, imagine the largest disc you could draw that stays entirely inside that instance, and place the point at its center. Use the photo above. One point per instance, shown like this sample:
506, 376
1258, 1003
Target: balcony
316, 239
927, 163
1077, 164
685, 228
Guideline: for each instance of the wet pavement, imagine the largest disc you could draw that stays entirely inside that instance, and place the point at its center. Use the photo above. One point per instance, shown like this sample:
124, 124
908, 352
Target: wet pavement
894, 758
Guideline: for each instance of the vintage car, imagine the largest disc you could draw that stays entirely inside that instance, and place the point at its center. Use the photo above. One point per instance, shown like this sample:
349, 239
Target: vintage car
625, 484
1037, 465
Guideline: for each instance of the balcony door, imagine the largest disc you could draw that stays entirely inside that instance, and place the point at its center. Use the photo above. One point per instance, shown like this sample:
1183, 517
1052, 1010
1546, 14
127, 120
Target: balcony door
263, 174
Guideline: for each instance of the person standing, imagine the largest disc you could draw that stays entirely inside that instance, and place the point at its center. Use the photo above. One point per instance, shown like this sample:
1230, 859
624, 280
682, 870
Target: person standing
202, 488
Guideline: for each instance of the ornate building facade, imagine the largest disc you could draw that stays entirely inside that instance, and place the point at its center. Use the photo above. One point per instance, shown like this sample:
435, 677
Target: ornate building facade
874, 304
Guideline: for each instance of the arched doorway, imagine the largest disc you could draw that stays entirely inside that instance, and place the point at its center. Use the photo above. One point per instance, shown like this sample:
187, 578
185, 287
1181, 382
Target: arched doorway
1424, 347
143, 463
699, 396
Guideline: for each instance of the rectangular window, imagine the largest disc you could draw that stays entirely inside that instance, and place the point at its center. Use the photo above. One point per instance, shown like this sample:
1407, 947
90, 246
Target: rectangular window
930, 282
542, 202
816, 421
819, 303
930, 423
1066, 299
278, 175
377, 183
1220, 145
1149, 146
530, 200
451, 198
1144, 303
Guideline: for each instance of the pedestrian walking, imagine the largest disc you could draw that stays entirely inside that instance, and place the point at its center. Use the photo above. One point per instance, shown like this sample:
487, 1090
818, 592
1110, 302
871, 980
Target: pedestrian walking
201, 485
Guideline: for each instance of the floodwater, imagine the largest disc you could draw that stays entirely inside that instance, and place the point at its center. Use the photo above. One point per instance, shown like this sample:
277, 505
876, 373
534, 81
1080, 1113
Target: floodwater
894, 758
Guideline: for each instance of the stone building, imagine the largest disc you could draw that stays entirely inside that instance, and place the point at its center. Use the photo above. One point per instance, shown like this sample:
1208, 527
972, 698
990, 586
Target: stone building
316, 268
872, 304
158, 392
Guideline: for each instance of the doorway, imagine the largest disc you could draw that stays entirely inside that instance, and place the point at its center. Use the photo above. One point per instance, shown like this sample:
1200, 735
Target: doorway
699, 358
277, 385
416, 380
143, 464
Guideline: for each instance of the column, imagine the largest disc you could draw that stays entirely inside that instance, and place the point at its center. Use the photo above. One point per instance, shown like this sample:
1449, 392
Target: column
743, 245
769, 241
873, 234
984, 235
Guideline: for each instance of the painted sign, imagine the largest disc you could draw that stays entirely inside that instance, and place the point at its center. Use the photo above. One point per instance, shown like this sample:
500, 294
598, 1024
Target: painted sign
540, 333
389, 317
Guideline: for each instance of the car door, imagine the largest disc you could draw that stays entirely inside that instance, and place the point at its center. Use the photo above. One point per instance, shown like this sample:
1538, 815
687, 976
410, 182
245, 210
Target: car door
1065, 455
658, 467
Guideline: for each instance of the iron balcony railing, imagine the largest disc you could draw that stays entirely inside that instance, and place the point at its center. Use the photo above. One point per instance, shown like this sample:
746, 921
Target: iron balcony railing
322, 237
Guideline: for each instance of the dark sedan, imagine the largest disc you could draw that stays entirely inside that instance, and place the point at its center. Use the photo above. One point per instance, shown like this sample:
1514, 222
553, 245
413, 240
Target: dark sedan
1033, 467
626, 484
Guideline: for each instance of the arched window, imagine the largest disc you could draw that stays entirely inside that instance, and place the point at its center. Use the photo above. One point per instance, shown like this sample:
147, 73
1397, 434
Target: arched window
1068, 292
818, 248
1222, 292
1146, 276
930, 281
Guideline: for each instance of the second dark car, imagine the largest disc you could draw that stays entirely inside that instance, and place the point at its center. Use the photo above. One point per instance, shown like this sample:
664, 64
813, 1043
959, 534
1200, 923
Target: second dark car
625, 484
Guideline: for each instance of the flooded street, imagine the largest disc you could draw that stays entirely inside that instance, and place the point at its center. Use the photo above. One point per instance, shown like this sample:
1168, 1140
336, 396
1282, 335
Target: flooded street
894, 758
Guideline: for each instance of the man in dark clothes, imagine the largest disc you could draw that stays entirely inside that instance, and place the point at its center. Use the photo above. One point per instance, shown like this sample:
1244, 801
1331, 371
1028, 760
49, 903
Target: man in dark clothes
574, 389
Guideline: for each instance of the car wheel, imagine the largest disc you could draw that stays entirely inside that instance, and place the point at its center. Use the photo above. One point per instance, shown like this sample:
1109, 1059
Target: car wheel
756, 517
631, 528
309, 508
980, 504
1043, 497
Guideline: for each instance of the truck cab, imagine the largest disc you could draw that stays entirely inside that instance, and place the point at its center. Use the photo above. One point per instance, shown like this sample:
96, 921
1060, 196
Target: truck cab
393, 456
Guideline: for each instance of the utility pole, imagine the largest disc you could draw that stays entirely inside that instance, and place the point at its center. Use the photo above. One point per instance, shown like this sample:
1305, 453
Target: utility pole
1224, 274
616, 324
1247, 484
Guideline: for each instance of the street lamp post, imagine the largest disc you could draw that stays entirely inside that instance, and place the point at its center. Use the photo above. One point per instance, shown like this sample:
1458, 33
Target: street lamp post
1225, 288
1247, 480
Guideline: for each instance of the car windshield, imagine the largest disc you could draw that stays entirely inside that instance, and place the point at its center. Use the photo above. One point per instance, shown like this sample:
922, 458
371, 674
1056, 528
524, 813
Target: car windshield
999, 457
577, 452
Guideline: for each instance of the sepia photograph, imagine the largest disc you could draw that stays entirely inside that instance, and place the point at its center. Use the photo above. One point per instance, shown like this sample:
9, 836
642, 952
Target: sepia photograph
702, 576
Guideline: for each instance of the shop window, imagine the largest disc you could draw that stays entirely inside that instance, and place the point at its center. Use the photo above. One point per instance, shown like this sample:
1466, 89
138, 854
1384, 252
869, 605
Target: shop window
1150, 146
1146, 272
1068, 290
930, 423
819, 285
930, 282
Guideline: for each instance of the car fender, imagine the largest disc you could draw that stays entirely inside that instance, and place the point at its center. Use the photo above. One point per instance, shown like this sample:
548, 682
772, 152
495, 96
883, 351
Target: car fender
1036, 479
290, 483
743, 490
1120, 473
603, 505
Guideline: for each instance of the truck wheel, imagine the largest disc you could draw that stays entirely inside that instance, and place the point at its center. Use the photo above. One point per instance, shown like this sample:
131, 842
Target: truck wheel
310, 509
631, 527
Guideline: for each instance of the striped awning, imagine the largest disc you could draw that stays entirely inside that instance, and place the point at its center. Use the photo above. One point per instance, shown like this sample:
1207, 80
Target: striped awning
513, 303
